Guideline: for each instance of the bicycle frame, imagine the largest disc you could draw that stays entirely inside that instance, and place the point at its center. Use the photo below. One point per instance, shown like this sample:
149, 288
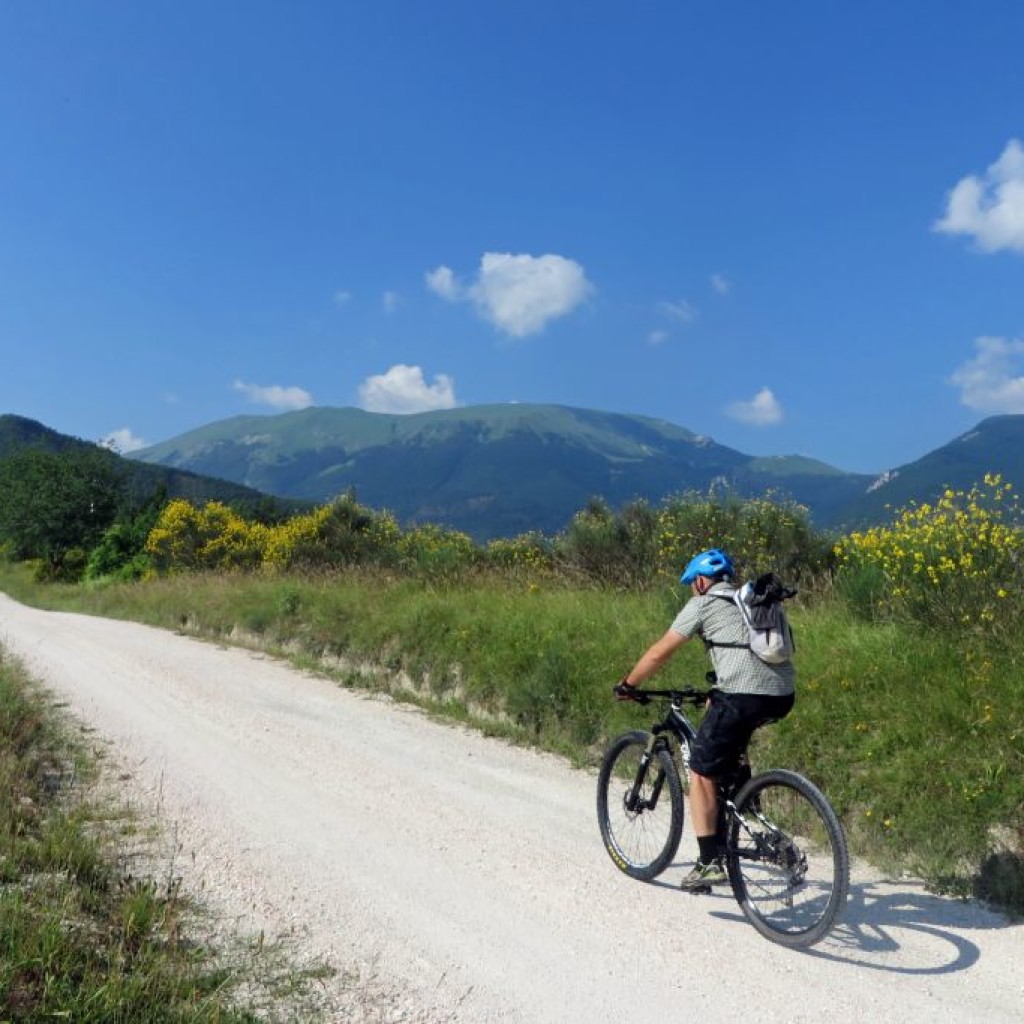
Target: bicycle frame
677, 724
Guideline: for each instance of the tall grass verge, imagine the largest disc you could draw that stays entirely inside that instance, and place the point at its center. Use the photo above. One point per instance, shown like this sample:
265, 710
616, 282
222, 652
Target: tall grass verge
918, 742
81, 937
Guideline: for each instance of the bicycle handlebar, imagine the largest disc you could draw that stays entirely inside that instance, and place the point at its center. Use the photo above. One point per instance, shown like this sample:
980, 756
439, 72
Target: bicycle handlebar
698, 698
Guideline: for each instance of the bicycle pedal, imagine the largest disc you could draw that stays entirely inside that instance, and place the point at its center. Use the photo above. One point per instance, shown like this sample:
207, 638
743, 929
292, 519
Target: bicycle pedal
703, 890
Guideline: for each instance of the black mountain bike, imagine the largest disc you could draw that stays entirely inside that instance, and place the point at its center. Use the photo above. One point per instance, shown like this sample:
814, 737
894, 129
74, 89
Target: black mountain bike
784, 848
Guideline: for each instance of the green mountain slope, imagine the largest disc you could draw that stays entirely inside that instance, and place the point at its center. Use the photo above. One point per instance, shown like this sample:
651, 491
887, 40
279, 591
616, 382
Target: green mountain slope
489, 470
17, 433
995, 445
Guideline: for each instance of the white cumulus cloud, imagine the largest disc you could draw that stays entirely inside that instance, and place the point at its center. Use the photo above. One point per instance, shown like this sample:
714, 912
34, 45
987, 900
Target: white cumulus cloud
993, 381
403, 389
518, 293
342, 297
657, 337
275, 396
721, 284
123, 440
763, 410
390, 301
441, 281
990, 209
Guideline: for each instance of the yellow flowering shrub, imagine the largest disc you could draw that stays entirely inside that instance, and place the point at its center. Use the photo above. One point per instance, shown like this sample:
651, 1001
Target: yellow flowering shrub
341, 533
212, 537
954, 562
528, 553
295, 538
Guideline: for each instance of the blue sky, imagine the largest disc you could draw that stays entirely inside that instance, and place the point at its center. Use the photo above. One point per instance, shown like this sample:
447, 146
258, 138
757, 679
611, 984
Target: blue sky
793, 227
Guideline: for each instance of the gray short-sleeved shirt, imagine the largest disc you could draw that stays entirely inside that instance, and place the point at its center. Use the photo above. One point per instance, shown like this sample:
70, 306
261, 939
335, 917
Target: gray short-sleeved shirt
738, 670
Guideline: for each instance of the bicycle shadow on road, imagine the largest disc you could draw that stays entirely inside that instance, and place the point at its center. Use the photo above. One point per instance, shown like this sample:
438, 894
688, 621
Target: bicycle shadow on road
882, 919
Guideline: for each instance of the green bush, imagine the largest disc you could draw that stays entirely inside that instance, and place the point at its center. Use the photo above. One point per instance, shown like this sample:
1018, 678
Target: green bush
759, 534
619, 549
436, 553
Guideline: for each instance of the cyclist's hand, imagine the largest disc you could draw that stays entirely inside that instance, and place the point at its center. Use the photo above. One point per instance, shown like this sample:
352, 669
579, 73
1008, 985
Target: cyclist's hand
627, 691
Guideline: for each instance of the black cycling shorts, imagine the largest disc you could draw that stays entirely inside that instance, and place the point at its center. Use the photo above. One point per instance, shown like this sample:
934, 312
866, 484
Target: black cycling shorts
728, 725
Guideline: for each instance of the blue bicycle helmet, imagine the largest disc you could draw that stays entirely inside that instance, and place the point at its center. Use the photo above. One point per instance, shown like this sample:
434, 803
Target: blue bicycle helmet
713, 562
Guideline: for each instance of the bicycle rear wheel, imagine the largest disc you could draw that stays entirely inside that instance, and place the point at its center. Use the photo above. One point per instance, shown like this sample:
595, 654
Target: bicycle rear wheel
639, 806
787, 859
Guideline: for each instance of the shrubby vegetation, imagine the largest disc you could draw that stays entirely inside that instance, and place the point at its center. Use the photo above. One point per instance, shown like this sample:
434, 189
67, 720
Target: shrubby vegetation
71, 513
910, 651
956, 564
638, 547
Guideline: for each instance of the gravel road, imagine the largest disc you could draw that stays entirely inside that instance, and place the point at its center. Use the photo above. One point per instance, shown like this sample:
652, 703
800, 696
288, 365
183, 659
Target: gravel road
460, 878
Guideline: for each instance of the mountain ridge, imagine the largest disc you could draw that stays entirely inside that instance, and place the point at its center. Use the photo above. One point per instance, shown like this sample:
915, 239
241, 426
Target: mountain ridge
993, 445
18, 433
490, 470
498, 470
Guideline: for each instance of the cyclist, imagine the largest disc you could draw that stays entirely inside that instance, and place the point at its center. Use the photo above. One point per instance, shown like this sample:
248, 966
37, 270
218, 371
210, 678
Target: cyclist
747, 693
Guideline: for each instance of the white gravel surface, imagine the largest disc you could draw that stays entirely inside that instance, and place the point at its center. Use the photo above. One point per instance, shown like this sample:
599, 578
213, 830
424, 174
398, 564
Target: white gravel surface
463, 879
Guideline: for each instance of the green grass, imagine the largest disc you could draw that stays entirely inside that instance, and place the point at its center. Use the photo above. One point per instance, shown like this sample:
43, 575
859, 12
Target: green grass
920, 745
916, 736
82, 937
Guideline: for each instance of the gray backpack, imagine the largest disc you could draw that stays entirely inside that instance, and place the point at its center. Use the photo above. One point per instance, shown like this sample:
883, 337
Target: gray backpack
760, 604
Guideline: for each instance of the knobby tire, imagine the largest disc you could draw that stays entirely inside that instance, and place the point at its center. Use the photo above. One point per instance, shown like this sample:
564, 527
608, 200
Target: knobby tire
642, 842
788, 865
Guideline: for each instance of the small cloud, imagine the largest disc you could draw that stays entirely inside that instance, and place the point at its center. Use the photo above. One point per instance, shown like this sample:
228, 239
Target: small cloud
441, 281
390, 301
763, 410
518, 293
275, 396
993, 381
403, 389
680, 310
123, 441
657, 337
342, 297
990, 209
721, 284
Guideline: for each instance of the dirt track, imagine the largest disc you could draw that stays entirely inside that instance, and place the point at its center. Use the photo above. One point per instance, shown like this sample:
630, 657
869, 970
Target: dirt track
462, 878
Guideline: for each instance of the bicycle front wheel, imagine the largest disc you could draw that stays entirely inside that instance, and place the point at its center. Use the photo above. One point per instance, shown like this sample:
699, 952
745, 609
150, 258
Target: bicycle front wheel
787, 859
639, 806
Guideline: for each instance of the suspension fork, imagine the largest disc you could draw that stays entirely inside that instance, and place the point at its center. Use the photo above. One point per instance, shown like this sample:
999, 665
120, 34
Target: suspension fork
633, 801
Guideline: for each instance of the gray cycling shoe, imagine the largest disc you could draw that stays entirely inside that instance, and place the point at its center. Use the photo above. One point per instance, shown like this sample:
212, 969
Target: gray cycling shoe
703, 876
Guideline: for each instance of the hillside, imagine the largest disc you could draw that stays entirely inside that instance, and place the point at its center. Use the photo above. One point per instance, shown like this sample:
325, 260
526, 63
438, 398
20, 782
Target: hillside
505, 469
490, 470
18, 433
995, 445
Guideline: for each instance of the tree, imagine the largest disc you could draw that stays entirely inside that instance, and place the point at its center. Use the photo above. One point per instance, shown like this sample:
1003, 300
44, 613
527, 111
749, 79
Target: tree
121, 551
53, 504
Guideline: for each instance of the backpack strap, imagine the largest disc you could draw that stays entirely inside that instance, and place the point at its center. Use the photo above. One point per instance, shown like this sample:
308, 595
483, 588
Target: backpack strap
731, 598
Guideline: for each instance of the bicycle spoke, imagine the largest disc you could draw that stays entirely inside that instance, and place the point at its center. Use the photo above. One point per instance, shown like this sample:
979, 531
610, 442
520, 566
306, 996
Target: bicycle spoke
641, 836
788, 860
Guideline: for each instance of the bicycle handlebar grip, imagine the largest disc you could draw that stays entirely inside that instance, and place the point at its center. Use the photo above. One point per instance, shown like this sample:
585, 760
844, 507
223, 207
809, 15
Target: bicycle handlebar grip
626, 691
